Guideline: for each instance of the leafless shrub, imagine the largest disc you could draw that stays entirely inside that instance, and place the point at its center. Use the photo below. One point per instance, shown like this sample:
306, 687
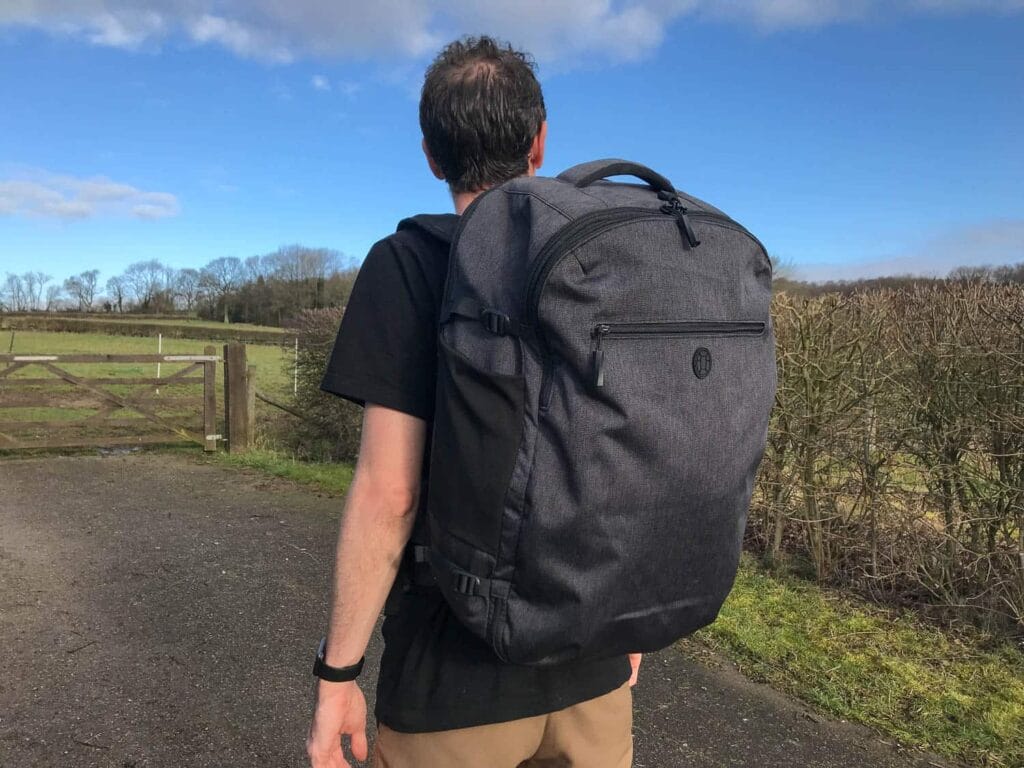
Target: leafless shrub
330, 430
895, 461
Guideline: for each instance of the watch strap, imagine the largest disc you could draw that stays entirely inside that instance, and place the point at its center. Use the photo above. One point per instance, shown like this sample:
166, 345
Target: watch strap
325, 671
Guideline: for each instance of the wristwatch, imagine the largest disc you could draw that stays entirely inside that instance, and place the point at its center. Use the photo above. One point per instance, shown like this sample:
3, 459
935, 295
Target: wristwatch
334, 674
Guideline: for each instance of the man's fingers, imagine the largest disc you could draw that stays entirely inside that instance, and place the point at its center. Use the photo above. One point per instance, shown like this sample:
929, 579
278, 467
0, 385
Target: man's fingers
323, 760
327, 755
634, 661
360, 748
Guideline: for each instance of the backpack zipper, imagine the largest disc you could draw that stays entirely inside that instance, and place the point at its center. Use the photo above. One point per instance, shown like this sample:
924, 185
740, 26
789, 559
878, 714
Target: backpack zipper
684, 328
571, 236
595, 223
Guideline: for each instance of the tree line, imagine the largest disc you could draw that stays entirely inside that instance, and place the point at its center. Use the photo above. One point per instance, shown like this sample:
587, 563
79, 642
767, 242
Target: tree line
267, 289
273, 288
1004, 274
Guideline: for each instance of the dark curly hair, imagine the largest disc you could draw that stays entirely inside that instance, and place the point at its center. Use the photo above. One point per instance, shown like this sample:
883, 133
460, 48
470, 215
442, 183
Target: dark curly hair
480, 109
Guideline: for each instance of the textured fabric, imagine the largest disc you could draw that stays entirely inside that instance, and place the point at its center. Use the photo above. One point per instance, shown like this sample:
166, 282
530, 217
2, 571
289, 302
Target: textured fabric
434, 674
386, 349
613, 445
593, 734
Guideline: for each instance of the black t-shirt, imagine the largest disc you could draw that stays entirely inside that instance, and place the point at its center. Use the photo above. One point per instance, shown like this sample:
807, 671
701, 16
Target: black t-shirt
434, 675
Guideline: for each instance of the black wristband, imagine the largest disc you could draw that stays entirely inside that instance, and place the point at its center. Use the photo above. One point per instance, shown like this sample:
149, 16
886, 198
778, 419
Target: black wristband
331, 674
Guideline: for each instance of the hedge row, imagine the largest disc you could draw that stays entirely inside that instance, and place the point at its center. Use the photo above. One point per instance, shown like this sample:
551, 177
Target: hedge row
75, 315
895, 459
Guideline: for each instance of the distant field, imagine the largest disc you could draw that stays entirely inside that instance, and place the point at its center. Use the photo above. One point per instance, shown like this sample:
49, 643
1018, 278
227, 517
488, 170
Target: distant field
183, 321
270, 361
145, 327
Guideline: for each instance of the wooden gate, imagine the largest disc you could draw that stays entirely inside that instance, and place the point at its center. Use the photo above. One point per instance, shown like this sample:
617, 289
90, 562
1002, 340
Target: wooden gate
44, 404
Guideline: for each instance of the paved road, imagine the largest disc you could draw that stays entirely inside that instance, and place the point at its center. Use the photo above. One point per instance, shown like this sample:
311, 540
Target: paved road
155, 611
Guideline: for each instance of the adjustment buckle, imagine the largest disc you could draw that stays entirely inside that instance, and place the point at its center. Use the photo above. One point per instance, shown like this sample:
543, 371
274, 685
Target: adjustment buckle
495, 322
466, 583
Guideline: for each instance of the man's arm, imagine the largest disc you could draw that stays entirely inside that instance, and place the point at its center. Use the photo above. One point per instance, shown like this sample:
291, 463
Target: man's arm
375, 527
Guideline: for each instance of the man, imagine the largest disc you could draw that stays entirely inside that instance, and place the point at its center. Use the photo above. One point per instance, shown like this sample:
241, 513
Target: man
444, 700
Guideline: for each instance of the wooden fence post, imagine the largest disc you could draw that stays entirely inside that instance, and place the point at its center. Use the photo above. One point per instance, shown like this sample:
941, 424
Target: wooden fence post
210, 401
236, 399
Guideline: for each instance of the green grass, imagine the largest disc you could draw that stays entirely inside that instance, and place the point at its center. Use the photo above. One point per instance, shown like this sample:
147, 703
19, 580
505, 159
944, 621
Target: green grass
270, 360
183, 321
947, 692
332, 478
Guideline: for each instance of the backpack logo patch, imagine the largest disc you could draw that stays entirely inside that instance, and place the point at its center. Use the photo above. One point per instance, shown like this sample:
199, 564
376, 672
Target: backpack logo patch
702, 362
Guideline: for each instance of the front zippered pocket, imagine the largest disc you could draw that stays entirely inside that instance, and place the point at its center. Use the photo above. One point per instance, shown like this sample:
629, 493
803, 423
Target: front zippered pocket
603, 331
590, 225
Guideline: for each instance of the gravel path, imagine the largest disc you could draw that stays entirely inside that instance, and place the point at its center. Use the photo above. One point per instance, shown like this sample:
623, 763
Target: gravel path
156, 611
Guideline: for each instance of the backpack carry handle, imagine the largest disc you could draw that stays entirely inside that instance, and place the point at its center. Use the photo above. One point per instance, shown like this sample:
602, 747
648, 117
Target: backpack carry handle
585, 174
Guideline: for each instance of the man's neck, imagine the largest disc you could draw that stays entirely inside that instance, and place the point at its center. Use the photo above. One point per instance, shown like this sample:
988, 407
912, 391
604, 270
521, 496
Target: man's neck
463, 199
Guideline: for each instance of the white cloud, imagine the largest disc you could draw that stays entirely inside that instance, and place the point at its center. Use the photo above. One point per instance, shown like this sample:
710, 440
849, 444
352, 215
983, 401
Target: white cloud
1000, 241
320, 83
554, 30
39, 194
782, 14
238, 37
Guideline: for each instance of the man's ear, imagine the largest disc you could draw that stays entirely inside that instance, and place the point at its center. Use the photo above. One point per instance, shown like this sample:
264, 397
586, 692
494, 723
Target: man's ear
537, 148
434, 167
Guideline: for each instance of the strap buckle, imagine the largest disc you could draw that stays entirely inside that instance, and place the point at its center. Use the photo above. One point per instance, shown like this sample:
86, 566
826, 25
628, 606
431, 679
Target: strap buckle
495, 322
466, 583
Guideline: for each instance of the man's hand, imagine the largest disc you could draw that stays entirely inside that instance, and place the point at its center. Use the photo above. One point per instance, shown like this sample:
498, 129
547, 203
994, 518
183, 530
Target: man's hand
634, 662
340, 710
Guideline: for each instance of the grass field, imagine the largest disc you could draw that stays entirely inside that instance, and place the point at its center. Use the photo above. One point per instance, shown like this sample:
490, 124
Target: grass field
183, 322
270, 361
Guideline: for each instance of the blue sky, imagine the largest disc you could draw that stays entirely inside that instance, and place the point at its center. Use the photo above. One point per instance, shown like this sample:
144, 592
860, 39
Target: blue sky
858, 137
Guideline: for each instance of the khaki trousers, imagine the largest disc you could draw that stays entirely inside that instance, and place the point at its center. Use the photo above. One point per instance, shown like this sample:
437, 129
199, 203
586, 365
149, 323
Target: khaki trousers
593, 734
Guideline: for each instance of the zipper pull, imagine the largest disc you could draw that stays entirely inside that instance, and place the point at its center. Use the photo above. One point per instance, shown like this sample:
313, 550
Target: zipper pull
597, 358
674, 207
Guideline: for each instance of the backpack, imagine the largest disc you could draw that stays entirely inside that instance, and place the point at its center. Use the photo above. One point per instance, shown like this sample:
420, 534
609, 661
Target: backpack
606, 369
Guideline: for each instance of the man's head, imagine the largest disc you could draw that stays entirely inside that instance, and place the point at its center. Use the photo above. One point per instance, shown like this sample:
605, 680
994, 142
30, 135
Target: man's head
482, 115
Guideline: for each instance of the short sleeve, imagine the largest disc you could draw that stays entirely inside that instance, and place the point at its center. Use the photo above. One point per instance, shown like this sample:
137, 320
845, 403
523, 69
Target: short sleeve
386, 346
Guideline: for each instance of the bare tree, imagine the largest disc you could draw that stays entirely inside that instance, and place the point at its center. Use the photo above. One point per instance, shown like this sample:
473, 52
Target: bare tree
220, 278
82, 288
53, 298
116, 290
255, 268
1009, 273
983, 273
13, 296
35, 283
188, 287
144, 279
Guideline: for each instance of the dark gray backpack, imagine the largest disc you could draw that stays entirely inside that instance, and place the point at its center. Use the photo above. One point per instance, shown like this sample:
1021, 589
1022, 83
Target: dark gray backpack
606, 371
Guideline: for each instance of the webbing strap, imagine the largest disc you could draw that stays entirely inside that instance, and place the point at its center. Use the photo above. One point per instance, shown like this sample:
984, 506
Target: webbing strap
420, 572
494, 321
460, 581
